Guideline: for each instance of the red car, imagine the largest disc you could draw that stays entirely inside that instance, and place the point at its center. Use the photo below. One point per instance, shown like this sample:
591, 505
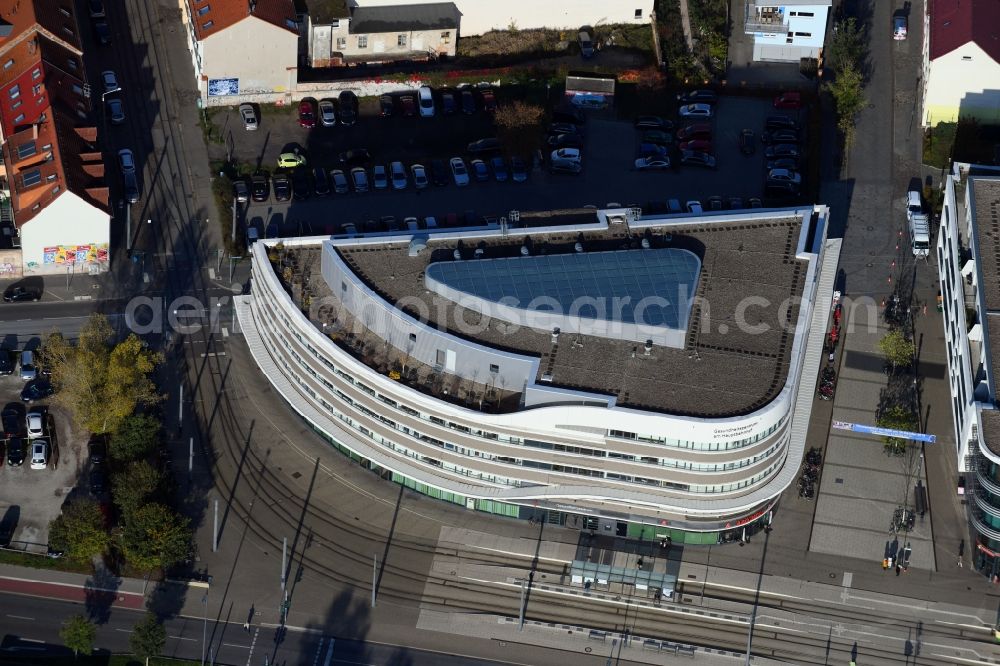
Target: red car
697, 145
788, 100
409, 105
307, 114
695, 131
489, 101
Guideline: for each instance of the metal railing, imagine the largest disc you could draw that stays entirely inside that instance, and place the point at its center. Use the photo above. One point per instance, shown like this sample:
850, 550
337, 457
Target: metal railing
772, 21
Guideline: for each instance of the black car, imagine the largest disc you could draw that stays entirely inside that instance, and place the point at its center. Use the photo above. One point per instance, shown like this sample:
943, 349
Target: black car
780, 122
565, 141
499, 169
490, 145
780, 136
355, 157
36, 389
569, 114
260, 189
282, 188
781, 189
448, 105
468, 102
16, 451
782, 150
103, 32
16, 294
13, 420
97, 452
698, 97
300, 184
439, 173
653, 122
386, 106
348, 107
479, 170
697, 158
98, 480
6, 363
131, 186
518, 170
790, 163
320, 182
747, 144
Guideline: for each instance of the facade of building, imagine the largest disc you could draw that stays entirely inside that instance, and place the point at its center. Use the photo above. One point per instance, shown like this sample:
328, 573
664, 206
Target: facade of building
968, 246
54, 210
786, 31
436, 361
961, 54
242, 50
479, 17
337, 36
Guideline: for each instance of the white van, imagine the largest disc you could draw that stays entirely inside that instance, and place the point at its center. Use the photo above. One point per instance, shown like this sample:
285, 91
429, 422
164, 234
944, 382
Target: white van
28, 370
426, 101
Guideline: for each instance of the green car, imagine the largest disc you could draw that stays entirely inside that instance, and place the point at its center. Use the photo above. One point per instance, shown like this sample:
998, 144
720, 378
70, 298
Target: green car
657, 137
291, 160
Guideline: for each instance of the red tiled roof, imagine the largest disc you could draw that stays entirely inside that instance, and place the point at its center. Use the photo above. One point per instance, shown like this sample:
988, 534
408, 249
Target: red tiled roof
954, 23
222, 14
58, 19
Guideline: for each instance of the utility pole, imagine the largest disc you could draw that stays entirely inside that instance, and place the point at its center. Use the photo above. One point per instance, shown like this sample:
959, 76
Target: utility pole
234, 222
128, 226
520, 618
190, 457
374, 577
284, 561
215, 528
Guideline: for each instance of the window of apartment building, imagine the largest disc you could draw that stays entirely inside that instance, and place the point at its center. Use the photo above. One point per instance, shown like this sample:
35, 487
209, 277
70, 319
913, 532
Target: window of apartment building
204, 10
341, 43
446, 37
36, 89
36, 73
64, 11
335, 23
494, 368
26, 150
71, 64
77, 89
14, 92
19, 118
638, 13
400, 40
803, 34
207, 24
16, 104
363, 42
29, 178
291, 25
51, 178
68, 30
966, 58
8, 64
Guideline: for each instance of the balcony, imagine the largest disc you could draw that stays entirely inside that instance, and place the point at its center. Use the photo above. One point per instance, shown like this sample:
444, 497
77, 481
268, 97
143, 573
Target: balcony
766, 18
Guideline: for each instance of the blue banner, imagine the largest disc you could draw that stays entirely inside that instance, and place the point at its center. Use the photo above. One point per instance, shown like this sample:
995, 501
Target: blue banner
884, 432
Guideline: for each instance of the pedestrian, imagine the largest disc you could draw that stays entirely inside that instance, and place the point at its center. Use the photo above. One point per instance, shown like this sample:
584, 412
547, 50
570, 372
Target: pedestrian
246, 627
898, 569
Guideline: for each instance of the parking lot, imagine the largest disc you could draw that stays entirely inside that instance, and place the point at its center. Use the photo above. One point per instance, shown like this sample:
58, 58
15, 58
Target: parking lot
31, 498
608, 175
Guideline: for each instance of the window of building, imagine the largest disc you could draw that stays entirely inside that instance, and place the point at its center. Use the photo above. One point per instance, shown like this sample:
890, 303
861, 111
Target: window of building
291, 25
341, 43
400, 40
446, 37
806, 14
68, 30
440, 357
363, 42
64, 11
26, 150
204, 10
29, 178
36, 73
413, 337
335, 23
803, 34
8, 64
71, 64
494, 368
966, 57
50, 178
207, 24
77, 89
36, 89
638, 13
16, 104
14, 91
19, 118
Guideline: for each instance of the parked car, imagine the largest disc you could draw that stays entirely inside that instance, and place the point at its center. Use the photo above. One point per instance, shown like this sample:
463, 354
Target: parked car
694, 207
585, 39
780, 136
103, 32
490, 145
249, 116
563, 128
397, 174
780, 122
110, 81
747, 144
98, 480
783, 163
439, 173
448, 104
518, 170
19, 294
653, 162
698, 97
39, 454
692, 158
565, 155
468, 101
96, 9
6, 364
754, 202
13, 421
647, 149
780, 189
97, 452
653, 122
695, 131
327, 113
359, 178
355, 157
782, 150
479, 170
695, 111
426, 99
380, 177
386, 106
130, 183
565, 141
259, 188
499, 169
348, 107
116, 111
15, 452
291, 160
788, 100
321, 184
566, 167
568, 114
459, 171
419, 175
37, 389
339, 180
282, 188
300, 184
696, 145
786, 175
408, 104
489, 100
307, 114
899, 27
658, 137
126, 161
35, 423
28, 369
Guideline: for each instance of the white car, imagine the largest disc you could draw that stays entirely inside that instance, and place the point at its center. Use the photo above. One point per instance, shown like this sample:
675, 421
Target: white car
411, 224
914, 204
694, 207
419, 176
110, 81
397, 172
459, 172
126, 161
327, 113
35, 421
695, 111
249, 116
565, 155
39, 455
785, 176
426, 98
380, 177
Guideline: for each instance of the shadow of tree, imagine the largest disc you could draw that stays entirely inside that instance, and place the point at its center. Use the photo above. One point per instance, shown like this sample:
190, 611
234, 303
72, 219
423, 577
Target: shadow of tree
100, 592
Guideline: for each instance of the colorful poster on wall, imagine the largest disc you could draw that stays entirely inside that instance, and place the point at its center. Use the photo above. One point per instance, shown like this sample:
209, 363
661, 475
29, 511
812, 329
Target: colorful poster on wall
75, 254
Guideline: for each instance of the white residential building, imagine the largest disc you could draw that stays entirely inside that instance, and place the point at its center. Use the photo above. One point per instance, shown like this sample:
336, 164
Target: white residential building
786, 31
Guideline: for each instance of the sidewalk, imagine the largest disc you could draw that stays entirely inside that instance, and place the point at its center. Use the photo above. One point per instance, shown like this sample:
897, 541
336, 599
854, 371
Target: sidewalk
89, 589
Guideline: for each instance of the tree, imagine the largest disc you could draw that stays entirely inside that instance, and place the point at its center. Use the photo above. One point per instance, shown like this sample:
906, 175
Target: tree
136, 437
79, 531
148, 637
849, 98
132, 486
78, 635
896, 418
897, 349
846, 49
519, 125
154, 536
100, 383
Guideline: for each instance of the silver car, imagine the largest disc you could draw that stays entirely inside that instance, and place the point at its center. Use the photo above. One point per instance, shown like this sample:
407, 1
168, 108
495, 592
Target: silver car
327, 113
249, 116
397, 173
360, 179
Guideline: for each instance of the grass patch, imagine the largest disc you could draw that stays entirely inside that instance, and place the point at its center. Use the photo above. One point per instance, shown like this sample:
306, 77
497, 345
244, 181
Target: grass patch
222, 191
938, 143
964, 141
43, 562
680, 64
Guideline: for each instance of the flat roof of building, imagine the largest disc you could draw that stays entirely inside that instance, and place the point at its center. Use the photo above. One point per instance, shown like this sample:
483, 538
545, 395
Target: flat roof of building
985, 192
738, 341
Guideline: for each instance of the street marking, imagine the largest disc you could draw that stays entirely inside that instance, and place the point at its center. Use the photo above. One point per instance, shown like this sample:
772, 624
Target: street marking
253, 642
211, 273
211, 354
225, 333
524, 555
319, 650
124, 631
244, 647
182, 638
32, 640
329, 653
848, 578
20, 617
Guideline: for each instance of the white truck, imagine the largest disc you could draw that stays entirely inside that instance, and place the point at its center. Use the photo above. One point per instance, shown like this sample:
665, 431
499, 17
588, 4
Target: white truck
920, 226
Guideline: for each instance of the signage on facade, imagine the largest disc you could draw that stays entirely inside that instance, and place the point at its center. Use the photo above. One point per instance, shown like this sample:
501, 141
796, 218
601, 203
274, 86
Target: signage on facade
884, 432
221, 87
75, 254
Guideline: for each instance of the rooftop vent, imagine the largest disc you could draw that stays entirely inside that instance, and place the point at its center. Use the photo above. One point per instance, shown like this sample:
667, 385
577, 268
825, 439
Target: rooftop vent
555, 335
648, 349
457, 254
578, 247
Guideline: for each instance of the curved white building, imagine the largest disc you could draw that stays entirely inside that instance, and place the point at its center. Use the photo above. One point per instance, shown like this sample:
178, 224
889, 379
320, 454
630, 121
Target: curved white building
640, 375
